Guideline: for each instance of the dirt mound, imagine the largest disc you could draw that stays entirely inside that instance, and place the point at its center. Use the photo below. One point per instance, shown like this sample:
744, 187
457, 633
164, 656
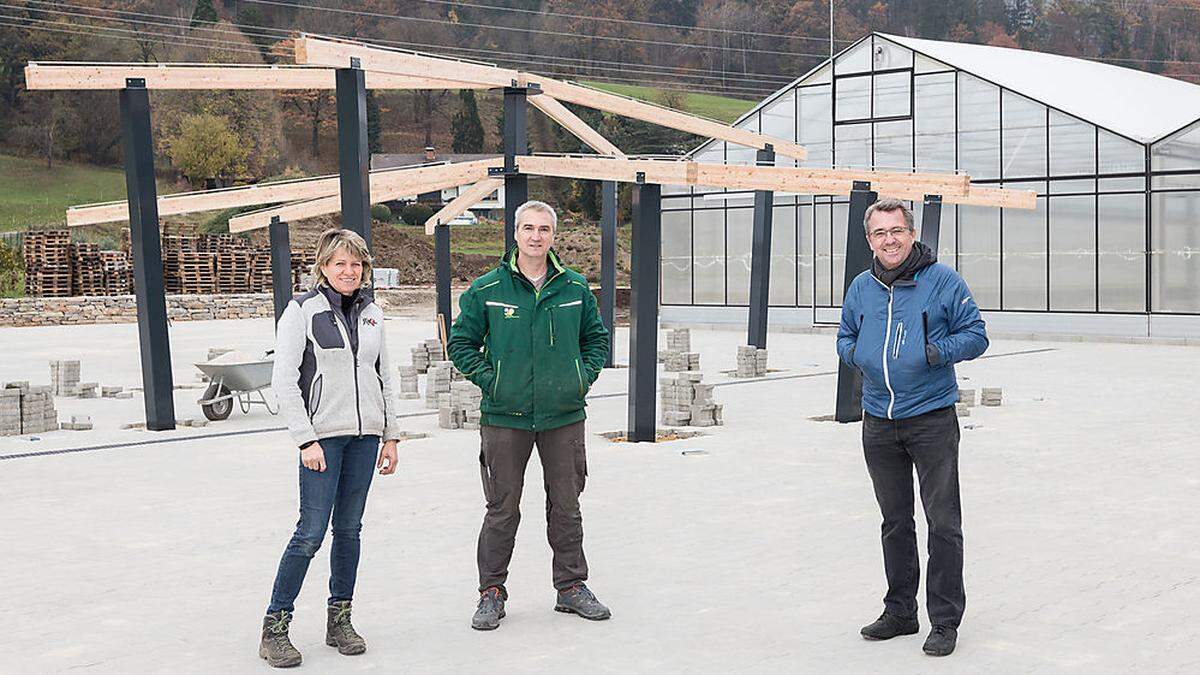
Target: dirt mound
579, 249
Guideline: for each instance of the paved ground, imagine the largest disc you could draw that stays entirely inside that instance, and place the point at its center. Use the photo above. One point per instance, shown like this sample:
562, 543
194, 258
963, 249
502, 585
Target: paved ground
762, 555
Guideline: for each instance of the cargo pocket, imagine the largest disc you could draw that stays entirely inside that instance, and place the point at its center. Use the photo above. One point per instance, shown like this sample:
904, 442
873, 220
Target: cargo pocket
314, 397
581, 468
485, 477
326, 332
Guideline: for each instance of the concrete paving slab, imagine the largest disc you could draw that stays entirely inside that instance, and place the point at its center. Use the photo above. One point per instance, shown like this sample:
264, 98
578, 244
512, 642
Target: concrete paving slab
752, 548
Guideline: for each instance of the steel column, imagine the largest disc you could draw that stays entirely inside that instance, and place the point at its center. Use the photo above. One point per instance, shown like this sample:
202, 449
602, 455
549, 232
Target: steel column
608, 264
643, 311
441, 249
150, 292
281, 266
931, 222
354, 156
760, 258
516, 184
858, 258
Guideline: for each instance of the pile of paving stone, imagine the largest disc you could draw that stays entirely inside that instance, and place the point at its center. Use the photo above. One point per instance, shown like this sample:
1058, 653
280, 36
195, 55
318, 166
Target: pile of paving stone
409, 381
64, 378
459, 409
426, 354
678, 355
685, 401
751, 361
437, 382
990, 397
26, 409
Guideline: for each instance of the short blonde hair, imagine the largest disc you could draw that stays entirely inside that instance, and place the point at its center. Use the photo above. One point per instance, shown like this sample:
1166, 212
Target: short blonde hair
335, 239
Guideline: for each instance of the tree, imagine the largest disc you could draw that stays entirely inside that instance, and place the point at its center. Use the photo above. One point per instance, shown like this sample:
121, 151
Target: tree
374, 124
205, 148
315, 107
466, 126
203, 13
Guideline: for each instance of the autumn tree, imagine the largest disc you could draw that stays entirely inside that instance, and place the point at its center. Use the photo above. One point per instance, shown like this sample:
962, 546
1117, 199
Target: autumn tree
206, 148
204, 13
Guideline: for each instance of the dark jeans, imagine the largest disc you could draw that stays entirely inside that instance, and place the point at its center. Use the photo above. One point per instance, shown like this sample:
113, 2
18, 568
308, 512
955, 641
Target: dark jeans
892, 448
502, 461
340, 490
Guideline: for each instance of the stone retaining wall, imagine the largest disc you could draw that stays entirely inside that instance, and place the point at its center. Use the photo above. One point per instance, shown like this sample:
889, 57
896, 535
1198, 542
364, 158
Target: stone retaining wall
122, 309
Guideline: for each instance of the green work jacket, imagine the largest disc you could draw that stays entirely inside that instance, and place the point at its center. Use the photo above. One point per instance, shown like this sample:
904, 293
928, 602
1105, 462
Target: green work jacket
534, 353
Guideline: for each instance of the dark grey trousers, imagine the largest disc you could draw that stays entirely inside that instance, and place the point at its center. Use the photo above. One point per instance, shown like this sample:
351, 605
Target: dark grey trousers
502, 461
893, 448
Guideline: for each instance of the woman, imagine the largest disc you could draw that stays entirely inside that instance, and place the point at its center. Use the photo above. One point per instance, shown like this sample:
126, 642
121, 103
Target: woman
335, 391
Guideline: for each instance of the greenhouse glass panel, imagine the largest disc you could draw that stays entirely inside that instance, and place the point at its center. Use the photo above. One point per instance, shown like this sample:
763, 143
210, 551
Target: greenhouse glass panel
1024, 134
1176, 181
711, 153
979, 253
889, 55
853, 98
1025, 257
978, 128
740, 154
1123, 184
947, 236
675, 202
822, 75
1178, 152
893, 146
841, 212
853, 146
738, 238
676, 257
1072, 254
823, 258
1072, 146
1175, 262
816, 125
1122, 250
893, 95
854, 60
783, 256
779, 121
708, 256
933, 118
804, 256
1073, 186
1120, 155
924, 64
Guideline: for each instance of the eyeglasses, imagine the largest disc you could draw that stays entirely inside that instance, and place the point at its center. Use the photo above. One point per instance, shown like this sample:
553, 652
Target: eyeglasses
880, 235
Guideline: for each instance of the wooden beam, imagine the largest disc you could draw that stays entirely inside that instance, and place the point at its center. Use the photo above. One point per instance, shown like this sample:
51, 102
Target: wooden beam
322, 51
990, 196
572, 123
284, 191
112, 76
465, 200
325, 52
386, 185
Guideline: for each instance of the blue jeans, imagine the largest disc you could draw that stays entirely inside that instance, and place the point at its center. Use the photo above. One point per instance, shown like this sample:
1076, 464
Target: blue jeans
340, 490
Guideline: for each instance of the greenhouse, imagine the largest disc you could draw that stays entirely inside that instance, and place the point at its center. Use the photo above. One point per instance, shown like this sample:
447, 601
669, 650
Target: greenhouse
1113, 154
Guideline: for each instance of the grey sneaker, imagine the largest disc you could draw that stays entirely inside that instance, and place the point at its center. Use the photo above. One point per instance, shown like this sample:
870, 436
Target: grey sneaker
276, 647
339, 633
490, 610
578, 599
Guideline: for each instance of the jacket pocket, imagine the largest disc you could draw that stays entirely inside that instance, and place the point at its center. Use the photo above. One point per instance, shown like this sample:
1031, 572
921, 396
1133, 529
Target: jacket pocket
325, 331
314, 397
579, 374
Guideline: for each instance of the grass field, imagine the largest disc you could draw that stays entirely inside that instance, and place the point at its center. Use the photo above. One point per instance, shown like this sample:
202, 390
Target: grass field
30, 194
719, 108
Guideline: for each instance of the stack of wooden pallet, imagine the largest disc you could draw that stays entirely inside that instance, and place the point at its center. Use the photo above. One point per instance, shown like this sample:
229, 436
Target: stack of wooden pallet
118, 273
47, 263
87, 273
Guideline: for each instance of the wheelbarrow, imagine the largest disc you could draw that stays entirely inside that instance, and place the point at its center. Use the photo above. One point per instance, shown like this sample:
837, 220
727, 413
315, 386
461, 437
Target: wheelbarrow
243, 382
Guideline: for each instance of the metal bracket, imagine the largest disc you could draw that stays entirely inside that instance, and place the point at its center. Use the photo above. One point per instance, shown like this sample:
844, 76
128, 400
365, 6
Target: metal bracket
500, 171
135, 82
640, 178
862, 186
355, 62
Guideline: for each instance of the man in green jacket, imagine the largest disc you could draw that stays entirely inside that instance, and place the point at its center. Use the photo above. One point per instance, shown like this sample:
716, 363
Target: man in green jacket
529, 335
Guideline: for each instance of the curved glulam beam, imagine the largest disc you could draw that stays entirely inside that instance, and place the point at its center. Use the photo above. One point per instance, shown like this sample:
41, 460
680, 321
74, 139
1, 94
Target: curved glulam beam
320, 51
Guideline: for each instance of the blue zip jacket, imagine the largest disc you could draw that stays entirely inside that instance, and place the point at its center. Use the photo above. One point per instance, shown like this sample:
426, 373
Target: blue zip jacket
907, 338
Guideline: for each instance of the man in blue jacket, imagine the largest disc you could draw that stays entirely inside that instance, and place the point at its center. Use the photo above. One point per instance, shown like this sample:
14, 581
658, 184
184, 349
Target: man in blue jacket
905, 323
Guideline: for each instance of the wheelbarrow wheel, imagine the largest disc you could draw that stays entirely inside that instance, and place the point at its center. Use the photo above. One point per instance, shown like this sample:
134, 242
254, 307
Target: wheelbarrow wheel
219, 410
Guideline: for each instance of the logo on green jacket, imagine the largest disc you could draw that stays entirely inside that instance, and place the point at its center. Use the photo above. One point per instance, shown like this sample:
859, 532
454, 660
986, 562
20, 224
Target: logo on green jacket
510, 313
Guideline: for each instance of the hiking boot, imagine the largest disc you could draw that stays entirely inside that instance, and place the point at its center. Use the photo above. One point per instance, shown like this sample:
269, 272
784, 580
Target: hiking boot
579, 600
941, 641
888, 626
490, 610
339, 633
276, 647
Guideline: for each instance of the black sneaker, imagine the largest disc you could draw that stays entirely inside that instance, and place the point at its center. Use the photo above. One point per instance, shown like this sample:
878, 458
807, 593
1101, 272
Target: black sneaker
340, 633
275, 646
888, 626
490, 610
941, 641
579, 600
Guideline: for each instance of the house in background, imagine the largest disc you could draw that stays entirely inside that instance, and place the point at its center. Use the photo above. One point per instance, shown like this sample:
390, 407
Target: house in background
491, 206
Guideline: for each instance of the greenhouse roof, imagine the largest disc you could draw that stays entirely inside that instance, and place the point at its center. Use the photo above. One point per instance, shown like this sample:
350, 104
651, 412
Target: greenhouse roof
1133, 103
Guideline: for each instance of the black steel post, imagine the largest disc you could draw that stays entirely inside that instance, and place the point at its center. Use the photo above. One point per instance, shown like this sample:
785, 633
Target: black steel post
158, 389
516, 143
608, 264
760, 258
858, 258
441, 249
643, 311
931, 221
281, 266
354, 157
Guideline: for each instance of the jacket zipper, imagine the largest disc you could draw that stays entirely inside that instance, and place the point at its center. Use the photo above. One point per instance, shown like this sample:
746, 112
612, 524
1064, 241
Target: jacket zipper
579, 374
354, 352
887, 338
496, 382
551, 313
